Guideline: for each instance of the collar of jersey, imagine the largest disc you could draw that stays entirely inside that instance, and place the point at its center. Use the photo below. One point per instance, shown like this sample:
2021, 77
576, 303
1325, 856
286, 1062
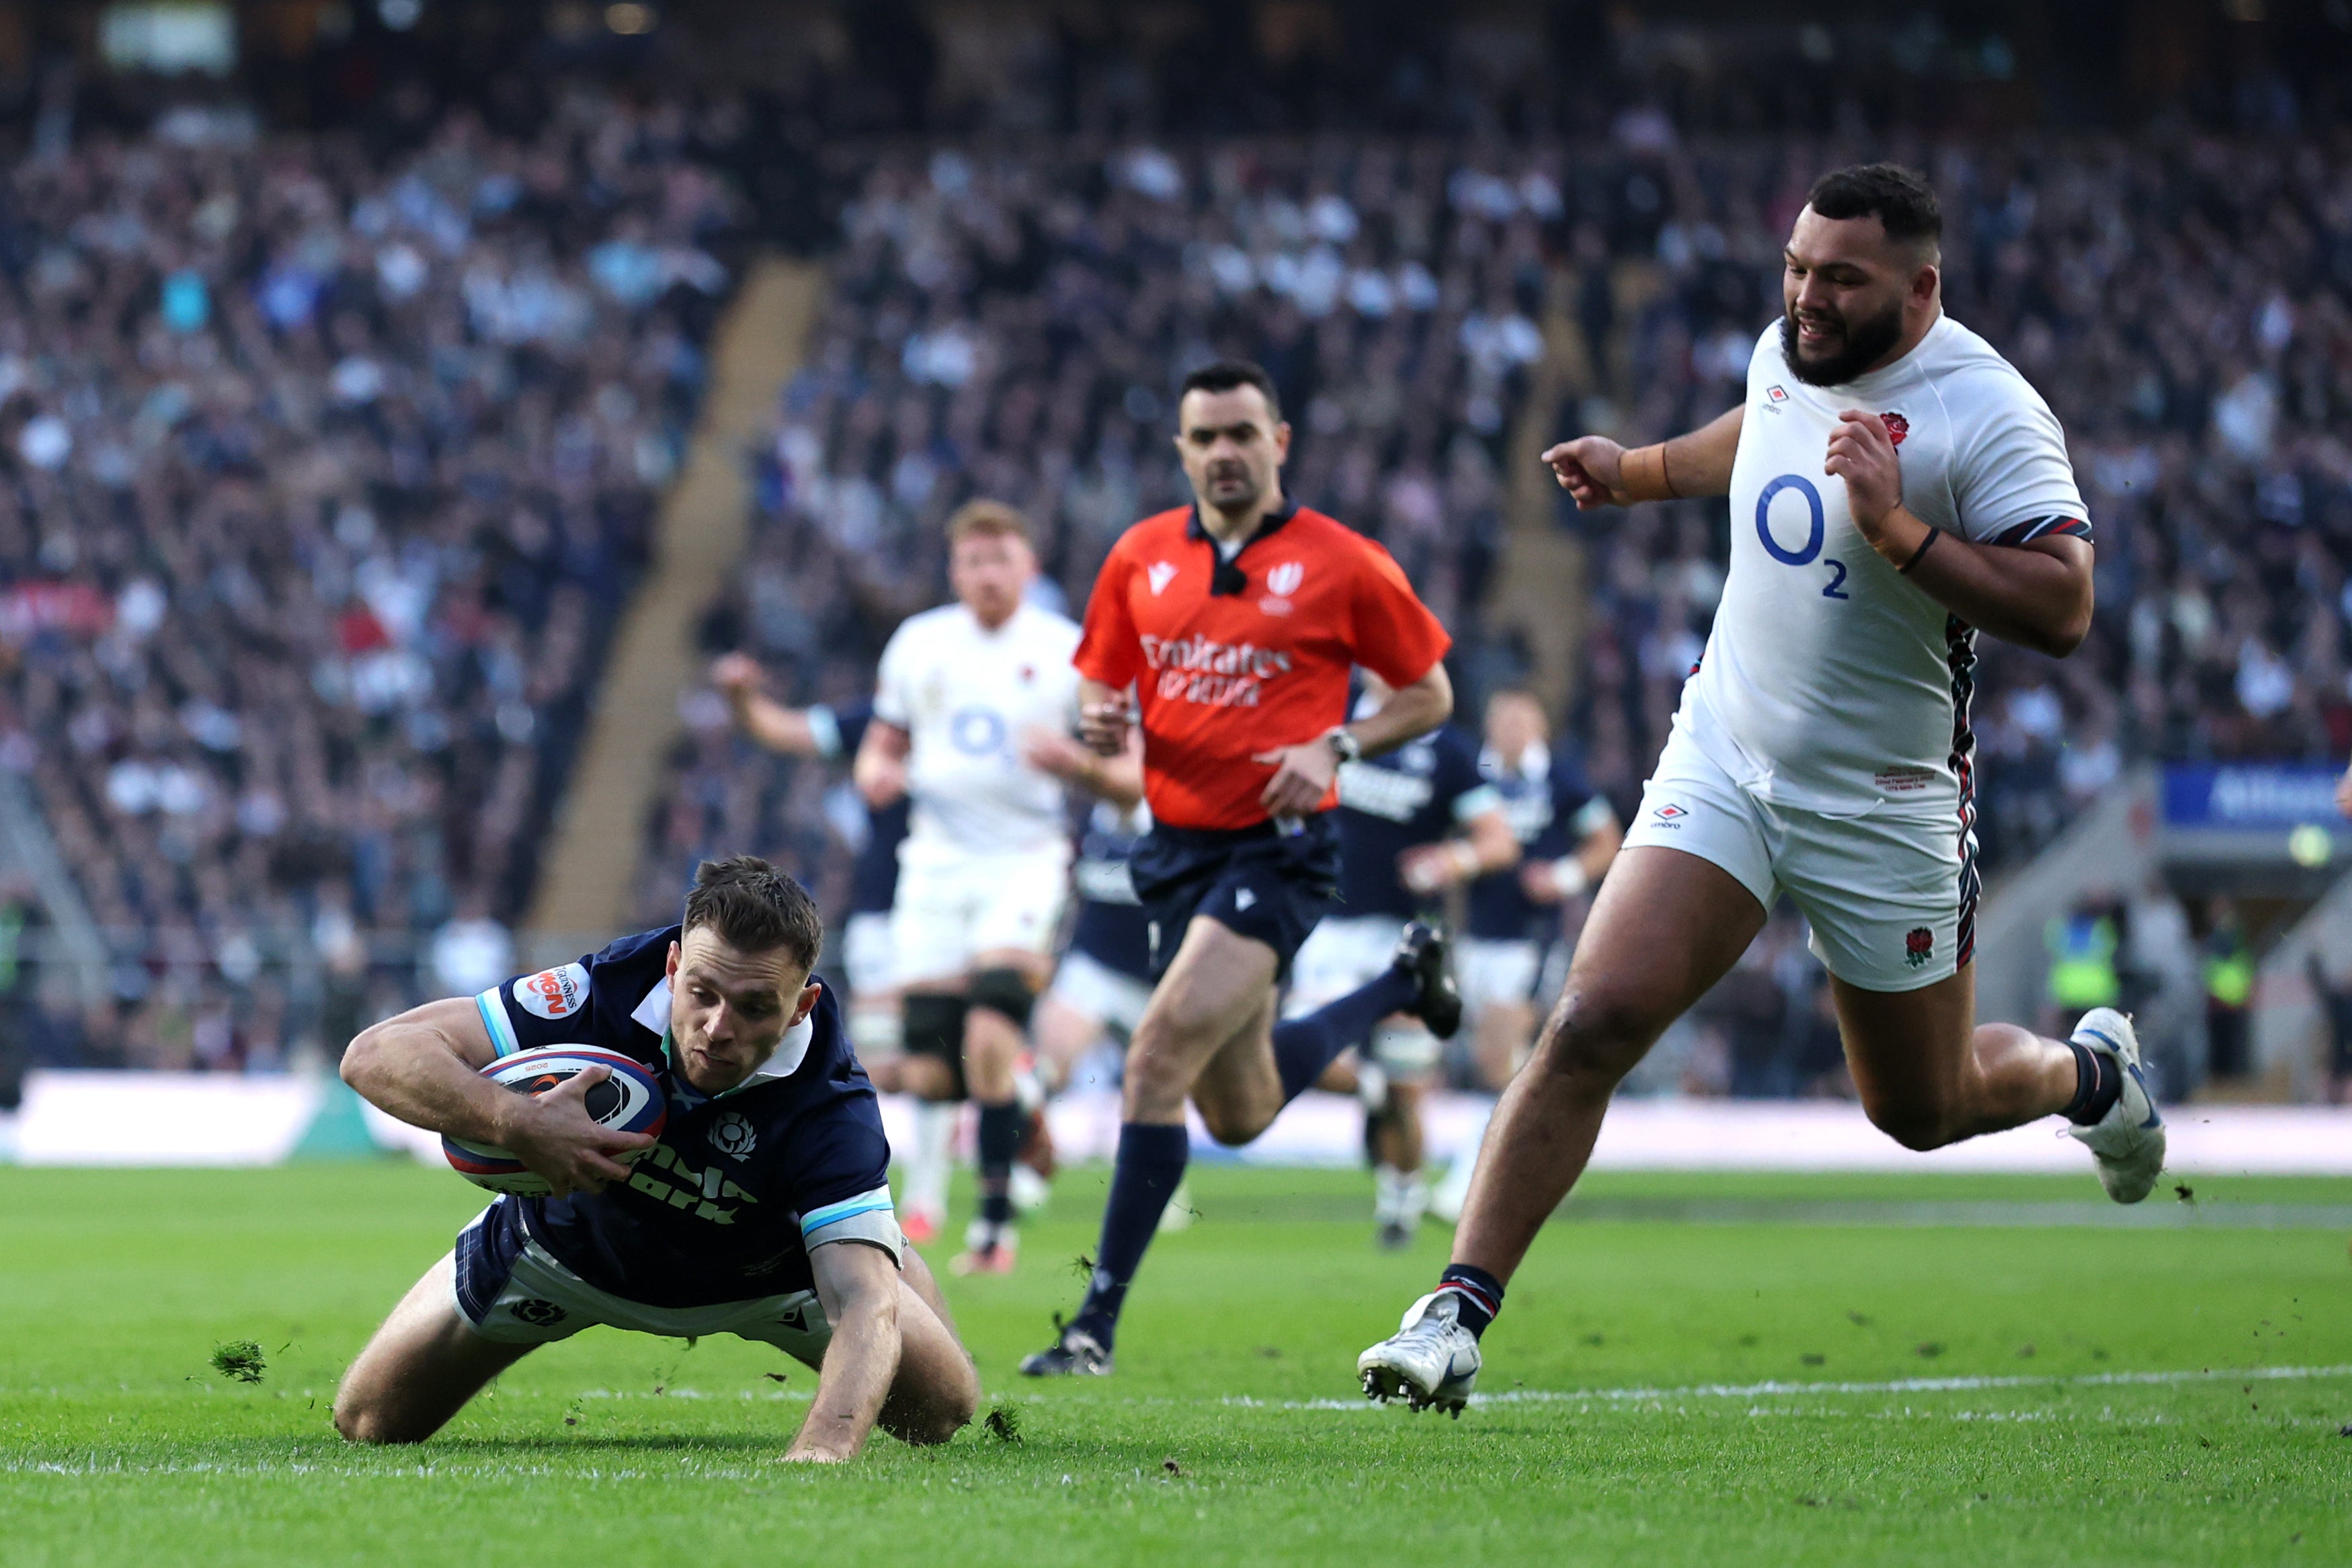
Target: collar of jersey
759, 1075
1226, 577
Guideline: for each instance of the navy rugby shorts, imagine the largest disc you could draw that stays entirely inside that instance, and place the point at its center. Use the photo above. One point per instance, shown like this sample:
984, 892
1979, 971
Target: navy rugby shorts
1270, 882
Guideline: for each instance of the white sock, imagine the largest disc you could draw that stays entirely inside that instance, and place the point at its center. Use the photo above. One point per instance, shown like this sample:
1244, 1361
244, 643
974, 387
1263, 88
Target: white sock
1454, 1190
928, 1161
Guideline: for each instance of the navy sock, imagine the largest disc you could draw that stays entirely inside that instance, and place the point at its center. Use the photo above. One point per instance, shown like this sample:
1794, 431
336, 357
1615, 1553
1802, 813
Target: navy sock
999, 1141
1150, 1165
1304, 1047
1479, 1293
2099, 1083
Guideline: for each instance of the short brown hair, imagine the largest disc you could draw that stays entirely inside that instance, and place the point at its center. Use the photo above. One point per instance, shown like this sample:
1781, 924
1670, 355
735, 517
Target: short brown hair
986, 519
755, 908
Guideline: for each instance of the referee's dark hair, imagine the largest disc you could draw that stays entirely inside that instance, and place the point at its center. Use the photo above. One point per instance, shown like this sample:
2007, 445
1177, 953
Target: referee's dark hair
1898, 198
755, 908
1224, 375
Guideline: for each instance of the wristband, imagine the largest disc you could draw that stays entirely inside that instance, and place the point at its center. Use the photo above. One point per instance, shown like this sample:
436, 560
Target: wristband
1343, 743
1643, 472
1567, 874
1934, 533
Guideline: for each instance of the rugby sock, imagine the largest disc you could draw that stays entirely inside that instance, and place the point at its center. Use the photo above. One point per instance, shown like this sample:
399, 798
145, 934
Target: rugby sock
999, 1140
1150, 1165
2099, 1082
1478, 1295
1304, 1047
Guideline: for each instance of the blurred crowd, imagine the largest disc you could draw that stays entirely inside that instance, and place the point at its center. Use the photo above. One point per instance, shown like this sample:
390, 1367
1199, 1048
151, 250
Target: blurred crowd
322, 474
1013, 324
2181, 299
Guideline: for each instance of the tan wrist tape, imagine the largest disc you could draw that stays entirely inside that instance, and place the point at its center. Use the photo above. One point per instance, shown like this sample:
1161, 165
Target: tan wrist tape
1644, 472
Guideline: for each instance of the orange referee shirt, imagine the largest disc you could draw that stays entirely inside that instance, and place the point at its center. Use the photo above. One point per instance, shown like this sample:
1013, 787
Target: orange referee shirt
1232, 659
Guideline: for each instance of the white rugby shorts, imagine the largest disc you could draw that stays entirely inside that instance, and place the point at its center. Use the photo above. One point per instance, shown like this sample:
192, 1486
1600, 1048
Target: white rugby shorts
953, 905
1095, 988
865, 958
542, 1302
1343, 954
1497, 972
1892, 900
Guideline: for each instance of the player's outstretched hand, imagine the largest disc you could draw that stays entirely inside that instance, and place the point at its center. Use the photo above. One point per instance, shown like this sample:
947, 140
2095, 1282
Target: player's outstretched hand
1103, 724
737, 675
1591, 468
1861, 453
1302, 777
556, 1137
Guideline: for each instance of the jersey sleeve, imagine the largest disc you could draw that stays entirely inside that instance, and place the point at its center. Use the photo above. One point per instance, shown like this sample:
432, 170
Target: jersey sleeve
1108, 647
1393, 635
894, 679
1459, 779
839, 1176
2011, 479
593, 1001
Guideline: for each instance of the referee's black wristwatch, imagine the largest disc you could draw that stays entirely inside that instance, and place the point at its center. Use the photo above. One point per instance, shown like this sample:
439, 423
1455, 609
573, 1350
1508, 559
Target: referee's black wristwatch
1344, 746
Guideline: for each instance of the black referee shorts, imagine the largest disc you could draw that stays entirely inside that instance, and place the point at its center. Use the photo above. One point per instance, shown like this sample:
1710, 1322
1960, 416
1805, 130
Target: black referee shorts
1268, 883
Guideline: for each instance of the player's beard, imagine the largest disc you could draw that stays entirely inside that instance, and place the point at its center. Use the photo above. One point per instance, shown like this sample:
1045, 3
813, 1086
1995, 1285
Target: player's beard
1865, 343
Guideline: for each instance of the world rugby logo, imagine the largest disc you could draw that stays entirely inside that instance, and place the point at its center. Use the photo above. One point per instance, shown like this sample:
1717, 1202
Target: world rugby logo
733, 1135
1283, 579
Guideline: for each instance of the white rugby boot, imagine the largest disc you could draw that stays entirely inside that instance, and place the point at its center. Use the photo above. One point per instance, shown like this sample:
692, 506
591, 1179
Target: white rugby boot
2129, 1139
1431, 1360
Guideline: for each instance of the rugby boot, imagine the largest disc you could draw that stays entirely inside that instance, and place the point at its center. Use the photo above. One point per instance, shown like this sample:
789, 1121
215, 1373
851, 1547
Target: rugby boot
1430, 1361
1421, 952
2129, 1141
1075, 1352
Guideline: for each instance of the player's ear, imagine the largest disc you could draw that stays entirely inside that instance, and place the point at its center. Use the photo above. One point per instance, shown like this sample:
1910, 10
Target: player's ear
1281, 440
807, 1004
669, 965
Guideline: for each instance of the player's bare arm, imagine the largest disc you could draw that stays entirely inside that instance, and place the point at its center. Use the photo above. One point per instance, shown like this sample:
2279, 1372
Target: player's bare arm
424, 1067
1551, 881
1303, 773
880, 771
860, 1288
1488, 844
736, 677
1117, 779
1598, 472
2037, 594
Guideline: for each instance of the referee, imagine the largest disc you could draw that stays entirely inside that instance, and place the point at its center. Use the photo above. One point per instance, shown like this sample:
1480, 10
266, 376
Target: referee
1227, 630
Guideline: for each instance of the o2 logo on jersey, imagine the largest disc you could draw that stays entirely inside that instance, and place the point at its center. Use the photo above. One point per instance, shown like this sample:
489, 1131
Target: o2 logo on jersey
977, 731
1816, 531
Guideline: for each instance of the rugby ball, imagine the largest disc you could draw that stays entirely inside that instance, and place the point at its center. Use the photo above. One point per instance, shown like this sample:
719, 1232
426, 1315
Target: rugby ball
630, 1101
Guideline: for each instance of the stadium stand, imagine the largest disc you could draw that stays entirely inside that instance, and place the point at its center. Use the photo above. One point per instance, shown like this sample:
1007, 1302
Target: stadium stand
326, 476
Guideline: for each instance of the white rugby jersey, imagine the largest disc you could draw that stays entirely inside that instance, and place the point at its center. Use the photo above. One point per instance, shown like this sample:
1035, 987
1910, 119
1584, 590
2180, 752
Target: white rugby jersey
964, 695
1831, 684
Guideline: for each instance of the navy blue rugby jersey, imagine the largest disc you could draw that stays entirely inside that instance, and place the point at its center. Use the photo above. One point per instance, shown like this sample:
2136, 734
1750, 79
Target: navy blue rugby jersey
874, 876
742, 1184
1111, 928
1413, 796
1553, 810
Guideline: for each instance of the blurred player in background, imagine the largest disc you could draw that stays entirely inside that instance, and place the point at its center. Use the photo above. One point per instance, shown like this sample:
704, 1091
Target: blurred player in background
1568, 835
832, 735
1235, 623
1895, 485
983, 874
1399, 817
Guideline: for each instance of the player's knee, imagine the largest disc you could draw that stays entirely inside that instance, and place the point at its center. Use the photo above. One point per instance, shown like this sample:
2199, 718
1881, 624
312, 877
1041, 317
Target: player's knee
1229, 1126
1916, 1127
1594, 1034
361, 1421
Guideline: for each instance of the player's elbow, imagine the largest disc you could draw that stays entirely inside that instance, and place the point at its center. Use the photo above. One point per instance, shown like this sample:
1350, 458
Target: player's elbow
2062, 636
363, 1058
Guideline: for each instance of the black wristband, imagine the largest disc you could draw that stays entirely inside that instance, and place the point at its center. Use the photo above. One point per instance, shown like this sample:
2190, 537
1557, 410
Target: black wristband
1934, 533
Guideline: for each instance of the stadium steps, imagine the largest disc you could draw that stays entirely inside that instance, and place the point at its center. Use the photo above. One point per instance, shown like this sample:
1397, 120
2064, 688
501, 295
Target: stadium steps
1541, 599
585, 882
27, 850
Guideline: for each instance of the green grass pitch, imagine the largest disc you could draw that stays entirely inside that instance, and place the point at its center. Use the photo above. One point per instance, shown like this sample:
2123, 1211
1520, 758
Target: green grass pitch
1689, 1370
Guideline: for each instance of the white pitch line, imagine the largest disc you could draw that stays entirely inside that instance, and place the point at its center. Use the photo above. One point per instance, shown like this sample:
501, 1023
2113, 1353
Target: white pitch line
1895, 1385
